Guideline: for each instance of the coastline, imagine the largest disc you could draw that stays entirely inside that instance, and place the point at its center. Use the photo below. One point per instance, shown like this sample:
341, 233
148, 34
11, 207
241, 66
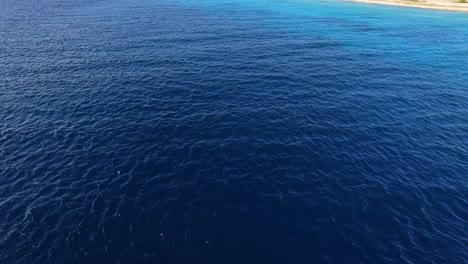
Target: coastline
435, 5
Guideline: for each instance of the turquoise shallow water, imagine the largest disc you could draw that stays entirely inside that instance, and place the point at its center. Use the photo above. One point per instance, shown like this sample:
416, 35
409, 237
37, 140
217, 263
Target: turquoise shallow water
249, 131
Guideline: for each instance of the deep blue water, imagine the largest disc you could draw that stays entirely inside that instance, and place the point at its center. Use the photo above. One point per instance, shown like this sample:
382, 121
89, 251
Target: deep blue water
216, 131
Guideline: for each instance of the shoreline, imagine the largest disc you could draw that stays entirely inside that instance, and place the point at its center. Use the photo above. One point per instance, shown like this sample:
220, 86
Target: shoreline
435, 5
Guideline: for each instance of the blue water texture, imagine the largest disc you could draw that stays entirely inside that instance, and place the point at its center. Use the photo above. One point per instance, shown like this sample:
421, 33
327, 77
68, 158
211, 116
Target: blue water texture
247, 131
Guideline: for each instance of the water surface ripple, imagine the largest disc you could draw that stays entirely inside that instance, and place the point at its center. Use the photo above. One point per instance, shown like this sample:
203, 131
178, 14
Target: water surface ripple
252, 131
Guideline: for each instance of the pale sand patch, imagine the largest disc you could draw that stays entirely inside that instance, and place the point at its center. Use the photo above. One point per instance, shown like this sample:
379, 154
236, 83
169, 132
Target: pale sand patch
429, 4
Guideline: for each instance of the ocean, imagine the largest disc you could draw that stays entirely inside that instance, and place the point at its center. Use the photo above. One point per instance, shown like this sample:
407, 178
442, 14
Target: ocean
216, 131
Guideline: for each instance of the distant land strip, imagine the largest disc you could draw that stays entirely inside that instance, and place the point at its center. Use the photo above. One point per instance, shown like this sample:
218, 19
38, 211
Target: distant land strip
459, 6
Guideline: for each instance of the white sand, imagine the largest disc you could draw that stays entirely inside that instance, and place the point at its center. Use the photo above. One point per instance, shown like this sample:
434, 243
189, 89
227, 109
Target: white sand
428, 4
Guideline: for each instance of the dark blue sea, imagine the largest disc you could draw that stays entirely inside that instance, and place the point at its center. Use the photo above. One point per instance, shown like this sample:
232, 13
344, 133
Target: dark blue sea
220, 131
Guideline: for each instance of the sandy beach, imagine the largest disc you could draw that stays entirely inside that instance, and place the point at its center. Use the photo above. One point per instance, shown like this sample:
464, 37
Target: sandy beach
429, 4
